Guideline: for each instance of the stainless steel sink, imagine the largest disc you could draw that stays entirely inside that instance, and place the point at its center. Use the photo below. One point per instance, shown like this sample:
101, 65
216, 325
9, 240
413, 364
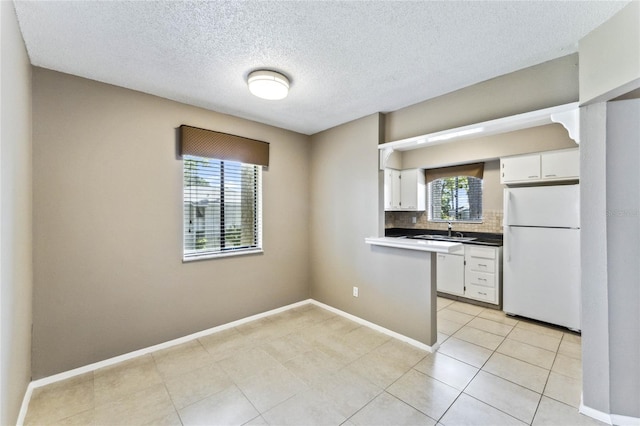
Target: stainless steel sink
461, 238
442, 238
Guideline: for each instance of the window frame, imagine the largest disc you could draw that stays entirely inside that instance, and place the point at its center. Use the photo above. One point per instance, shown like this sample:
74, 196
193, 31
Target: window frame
430, 199
257, 248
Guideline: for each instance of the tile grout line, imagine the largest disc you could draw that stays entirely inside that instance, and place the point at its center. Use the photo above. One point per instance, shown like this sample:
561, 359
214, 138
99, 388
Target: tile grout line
556, 352
517, 384
476, 375
320, 321
164, 383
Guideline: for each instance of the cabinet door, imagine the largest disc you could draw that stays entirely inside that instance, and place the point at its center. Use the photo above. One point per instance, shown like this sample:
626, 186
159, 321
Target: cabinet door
395, 190
412, 189
520, 169
408, 189
450, 273
561, 165
388, 182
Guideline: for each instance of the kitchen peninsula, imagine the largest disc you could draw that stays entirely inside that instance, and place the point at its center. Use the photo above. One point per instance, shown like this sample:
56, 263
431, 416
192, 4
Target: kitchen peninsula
408, 268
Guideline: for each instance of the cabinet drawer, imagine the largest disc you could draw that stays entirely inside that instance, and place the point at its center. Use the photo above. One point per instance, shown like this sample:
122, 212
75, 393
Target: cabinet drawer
481, 265
478, 251
481, 279
481, 293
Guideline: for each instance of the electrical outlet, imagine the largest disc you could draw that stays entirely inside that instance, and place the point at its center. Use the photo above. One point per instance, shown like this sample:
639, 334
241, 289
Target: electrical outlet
413, 219
355, 292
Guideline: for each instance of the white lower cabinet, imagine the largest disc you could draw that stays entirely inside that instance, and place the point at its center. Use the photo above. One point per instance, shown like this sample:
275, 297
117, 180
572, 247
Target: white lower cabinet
450, 273
475, 275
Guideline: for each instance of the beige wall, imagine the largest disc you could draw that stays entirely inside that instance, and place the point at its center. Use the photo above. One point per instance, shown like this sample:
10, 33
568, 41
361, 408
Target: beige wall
610, 57
16, 280
109, 277
345, 183
344, 211
545, 85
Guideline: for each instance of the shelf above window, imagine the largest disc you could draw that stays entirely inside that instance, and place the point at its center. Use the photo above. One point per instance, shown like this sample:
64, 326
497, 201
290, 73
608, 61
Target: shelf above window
568, 115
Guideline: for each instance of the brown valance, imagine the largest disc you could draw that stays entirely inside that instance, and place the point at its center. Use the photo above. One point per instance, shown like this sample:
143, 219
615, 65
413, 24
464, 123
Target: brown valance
474, 170
222, 146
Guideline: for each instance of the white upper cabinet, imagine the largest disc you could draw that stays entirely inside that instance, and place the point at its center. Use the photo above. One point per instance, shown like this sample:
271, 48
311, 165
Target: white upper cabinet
541, 167
563, 164
391, 189
404, 190
521, 168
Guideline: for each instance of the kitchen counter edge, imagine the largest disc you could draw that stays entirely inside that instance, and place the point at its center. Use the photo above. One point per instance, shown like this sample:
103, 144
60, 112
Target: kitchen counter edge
420, 245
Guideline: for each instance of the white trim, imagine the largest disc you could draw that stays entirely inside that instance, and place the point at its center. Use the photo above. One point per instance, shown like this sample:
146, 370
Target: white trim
219, 254
25, 404
595, 414
571, 122
493, 127
617, 419
125, 357
376, 327
438, 246
165, 345
610, 419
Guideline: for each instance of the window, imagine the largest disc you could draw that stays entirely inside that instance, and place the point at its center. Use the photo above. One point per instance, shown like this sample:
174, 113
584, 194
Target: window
455, 198
222, 207
222, 193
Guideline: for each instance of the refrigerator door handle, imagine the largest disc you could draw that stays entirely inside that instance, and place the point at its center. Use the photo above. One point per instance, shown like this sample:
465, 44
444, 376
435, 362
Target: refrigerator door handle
507, 230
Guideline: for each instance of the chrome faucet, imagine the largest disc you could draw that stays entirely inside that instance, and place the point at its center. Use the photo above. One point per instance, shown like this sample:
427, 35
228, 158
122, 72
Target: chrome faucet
449, 227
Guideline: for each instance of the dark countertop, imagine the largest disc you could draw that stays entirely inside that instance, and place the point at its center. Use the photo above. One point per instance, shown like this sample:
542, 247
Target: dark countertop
482, 238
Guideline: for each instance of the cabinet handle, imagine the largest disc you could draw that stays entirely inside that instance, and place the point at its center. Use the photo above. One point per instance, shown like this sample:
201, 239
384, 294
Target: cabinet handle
484, 294
533, 177
482, 279
549, 175
483, 265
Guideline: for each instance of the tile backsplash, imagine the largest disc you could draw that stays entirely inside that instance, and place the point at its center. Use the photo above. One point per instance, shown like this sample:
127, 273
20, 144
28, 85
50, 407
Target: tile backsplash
491, 222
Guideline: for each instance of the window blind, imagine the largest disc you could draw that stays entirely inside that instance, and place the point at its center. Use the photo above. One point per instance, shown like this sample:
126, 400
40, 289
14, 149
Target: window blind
455, 198
222, 207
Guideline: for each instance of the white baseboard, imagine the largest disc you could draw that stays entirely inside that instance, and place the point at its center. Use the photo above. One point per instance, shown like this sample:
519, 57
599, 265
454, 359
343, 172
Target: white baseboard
125, 357
595, 414
25, 404
610, 419
376, 327
619, 420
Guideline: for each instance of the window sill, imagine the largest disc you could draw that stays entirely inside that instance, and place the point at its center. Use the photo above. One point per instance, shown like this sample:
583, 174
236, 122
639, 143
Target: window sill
230, 253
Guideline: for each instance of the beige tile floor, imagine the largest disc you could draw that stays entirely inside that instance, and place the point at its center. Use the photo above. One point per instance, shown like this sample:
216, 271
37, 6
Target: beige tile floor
308, 366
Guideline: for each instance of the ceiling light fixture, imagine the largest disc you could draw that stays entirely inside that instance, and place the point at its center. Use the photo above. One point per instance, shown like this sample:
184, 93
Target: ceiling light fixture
268, 85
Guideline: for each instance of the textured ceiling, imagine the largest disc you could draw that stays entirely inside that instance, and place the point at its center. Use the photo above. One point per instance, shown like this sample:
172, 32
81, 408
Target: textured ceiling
345, 59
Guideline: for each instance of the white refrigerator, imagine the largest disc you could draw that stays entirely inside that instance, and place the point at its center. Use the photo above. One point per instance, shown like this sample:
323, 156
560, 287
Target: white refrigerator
541, 271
